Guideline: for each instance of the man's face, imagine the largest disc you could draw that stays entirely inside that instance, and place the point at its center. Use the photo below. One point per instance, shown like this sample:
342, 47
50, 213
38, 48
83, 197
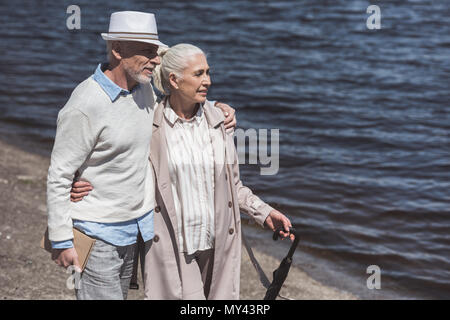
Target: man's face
139, 59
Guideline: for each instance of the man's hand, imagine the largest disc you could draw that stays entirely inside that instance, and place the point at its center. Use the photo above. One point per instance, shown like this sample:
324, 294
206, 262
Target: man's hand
66, 257
79, 190
229, 113
276, 220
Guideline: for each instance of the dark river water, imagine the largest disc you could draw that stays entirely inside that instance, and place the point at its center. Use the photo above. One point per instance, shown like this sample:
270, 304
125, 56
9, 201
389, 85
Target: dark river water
363, 115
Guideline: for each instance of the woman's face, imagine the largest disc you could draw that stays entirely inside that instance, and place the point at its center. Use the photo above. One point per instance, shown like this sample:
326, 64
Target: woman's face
195, 82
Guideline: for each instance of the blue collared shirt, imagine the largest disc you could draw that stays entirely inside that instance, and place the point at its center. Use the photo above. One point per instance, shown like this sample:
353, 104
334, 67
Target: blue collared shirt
121, 233
111, 89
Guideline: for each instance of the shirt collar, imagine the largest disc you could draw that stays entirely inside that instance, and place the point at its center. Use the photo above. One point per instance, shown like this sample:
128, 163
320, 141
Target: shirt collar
172, 117
111, 89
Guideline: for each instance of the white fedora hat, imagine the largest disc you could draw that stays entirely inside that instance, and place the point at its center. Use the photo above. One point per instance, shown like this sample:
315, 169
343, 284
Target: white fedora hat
133, 26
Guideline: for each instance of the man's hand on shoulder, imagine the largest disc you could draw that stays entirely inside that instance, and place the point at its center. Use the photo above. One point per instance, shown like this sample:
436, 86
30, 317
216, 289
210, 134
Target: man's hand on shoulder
229, 113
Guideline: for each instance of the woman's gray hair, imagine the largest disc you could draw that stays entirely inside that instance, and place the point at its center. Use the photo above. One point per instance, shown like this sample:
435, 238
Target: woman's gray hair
173, 60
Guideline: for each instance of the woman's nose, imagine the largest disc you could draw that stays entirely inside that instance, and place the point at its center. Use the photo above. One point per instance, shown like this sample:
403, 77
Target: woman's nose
206, 81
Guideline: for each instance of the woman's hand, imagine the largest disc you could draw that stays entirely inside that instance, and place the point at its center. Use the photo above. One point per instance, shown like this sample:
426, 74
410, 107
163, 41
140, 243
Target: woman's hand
276, 220
79, 190
229, 113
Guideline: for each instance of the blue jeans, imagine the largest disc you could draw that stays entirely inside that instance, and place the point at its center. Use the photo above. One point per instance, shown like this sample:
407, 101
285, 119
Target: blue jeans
107, 273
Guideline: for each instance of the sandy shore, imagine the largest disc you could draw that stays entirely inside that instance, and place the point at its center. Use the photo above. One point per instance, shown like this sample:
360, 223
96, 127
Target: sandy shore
29, 273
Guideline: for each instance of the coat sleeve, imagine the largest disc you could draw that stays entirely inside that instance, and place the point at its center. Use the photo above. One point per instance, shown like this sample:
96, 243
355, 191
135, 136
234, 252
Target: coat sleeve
249, 203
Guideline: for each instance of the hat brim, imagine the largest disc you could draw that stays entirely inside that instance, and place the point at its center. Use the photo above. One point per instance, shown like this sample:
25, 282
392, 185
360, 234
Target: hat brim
109, 37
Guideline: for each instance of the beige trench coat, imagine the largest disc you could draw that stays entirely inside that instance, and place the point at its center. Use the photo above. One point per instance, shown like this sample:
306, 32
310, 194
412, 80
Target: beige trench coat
162, 278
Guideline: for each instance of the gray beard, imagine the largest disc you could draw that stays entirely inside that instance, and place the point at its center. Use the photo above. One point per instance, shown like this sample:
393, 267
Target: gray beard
139, 78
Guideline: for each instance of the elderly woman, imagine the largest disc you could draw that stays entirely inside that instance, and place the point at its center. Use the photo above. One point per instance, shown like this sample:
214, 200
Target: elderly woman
196, 250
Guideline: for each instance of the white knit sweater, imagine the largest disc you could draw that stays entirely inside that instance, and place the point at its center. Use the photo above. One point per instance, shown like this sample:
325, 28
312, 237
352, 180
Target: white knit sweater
108, 143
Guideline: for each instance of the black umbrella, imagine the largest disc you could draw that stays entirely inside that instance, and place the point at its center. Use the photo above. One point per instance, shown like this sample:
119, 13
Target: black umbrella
280, 274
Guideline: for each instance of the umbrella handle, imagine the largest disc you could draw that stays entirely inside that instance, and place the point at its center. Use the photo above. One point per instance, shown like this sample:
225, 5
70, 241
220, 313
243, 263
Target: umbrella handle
294, 245
276, 233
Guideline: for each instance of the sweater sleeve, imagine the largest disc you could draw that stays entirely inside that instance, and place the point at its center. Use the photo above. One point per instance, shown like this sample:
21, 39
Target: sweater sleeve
74, 142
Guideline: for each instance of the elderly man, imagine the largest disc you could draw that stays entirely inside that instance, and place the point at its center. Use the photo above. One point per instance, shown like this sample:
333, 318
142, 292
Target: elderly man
103, 133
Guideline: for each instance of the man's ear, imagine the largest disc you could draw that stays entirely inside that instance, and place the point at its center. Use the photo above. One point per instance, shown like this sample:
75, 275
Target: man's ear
173, 80
117, 50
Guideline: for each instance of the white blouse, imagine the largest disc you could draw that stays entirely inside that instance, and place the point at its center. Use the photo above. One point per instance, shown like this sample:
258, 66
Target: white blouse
191, 169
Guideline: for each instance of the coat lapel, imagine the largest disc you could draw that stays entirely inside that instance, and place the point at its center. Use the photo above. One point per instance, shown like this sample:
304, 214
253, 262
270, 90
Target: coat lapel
215, 118
160, 162
222, 195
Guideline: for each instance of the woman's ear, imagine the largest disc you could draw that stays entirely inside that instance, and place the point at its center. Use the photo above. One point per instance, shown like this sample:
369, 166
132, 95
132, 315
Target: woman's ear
173, 80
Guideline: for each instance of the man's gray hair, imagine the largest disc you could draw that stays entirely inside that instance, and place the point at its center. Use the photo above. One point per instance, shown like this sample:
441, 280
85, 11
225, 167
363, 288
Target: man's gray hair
173, 60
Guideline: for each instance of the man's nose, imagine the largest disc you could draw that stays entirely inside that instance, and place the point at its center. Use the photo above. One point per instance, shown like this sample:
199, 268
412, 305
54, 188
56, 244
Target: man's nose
156, 59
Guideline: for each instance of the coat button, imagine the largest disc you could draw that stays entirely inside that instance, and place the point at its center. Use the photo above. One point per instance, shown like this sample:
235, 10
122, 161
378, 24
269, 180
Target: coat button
226, 177
158, 209
156, 238
230, 204
231, 231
